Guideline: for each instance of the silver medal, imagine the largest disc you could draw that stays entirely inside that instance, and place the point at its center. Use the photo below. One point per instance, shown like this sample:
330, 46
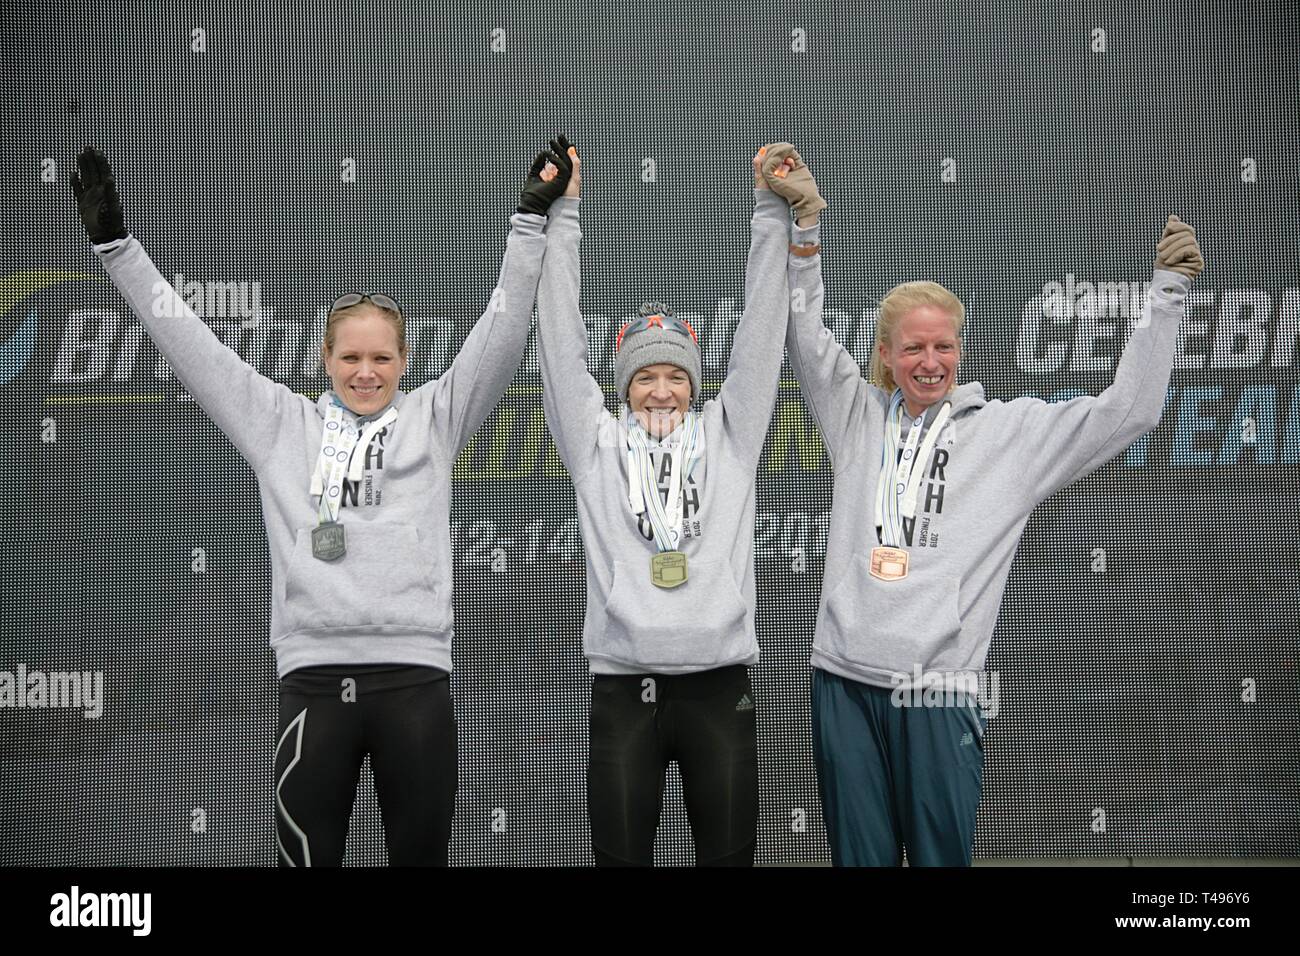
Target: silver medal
327, 541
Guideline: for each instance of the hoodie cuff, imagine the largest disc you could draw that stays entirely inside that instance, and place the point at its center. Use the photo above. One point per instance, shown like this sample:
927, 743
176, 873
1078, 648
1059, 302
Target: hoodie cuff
768, 205
113, 245
1169, 283
800, 236
564, 212
528, 224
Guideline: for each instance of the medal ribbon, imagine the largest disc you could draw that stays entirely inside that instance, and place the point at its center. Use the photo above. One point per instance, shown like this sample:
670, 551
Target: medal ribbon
643, 491
900, 480
342, 456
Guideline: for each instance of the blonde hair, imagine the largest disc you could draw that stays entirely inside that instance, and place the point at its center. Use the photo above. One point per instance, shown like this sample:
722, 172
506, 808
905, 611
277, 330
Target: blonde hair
353, 311
901, 300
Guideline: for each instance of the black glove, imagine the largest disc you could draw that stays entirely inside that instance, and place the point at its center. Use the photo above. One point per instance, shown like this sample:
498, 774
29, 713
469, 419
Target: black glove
560, 147
538, 194
101, 210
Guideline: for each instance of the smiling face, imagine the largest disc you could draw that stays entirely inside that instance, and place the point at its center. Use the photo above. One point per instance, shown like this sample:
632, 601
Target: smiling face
659, 396
922, 354
365, 362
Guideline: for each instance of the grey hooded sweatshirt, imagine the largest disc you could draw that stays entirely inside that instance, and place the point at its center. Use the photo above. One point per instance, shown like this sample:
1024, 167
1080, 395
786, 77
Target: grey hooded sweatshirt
632, 626
993, 463
388, 600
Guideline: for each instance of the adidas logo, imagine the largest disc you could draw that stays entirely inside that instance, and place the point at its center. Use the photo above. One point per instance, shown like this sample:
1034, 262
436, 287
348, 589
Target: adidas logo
745, 703
967, 739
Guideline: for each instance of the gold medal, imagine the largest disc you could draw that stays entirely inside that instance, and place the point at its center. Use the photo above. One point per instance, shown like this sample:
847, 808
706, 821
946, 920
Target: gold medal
888, 564
668, 569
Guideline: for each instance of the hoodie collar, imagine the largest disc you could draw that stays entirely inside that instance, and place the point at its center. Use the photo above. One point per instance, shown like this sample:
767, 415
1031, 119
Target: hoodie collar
964, 397
328, 398
968, 397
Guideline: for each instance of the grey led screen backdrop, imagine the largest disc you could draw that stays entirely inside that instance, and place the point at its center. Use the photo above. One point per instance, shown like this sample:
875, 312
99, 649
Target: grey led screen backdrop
1146, 650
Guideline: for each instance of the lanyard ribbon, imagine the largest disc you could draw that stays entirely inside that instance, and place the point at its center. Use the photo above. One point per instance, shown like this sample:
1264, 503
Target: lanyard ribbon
900, 478
643, 491
339, 459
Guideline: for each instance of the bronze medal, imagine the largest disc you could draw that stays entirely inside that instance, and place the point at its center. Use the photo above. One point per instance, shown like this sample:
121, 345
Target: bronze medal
668, 569
888, 564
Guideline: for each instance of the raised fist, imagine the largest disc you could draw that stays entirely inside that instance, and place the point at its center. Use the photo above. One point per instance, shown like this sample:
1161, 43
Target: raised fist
1177, 250
548, 178
97, 201
787, 176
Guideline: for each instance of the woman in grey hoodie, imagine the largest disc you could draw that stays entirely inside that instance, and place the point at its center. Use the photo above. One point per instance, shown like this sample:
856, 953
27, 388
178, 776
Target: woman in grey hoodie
917, 557
669, 626
361, 606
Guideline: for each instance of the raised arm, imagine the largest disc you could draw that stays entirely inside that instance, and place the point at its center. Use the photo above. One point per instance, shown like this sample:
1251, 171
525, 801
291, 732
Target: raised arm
830, 380
248, 408
1071, 439
754, 367
490, 356
574, 402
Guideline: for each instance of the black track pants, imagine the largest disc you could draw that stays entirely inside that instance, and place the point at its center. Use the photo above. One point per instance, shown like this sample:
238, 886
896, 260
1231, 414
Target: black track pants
330, 718
705, 722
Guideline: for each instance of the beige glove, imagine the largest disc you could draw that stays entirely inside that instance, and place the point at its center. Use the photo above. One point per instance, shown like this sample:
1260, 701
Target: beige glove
792, 181
1177, 250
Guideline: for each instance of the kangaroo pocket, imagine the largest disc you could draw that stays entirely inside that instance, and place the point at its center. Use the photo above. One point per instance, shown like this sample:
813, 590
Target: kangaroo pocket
385, 578
701, 622
891, 625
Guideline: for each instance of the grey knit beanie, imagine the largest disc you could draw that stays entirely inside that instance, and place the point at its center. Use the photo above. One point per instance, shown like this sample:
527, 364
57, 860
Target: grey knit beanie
656, 345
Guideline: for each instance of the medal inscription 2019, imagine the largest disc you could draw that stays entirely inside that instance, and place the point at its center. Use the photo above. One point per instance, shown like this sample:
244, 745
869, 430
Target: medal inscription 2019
888, 564
668, 569
327, 542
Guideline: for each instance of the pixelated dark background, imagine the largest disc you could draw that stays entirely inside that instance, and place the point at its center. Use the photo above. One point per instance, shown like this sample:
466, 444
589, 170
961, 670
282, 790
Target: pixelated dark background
1160, 691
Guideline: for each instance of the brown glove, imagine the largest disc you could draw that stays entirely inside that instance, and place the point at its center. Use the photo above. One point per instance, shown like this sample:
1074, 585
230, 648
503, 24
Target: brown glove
793, 183
1177, 250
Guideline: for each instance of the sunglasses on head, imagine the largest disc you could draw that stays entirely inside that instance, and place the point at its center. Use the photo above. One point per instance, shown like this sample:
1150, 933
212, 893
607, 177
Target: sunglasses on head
662, 321
356, 298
